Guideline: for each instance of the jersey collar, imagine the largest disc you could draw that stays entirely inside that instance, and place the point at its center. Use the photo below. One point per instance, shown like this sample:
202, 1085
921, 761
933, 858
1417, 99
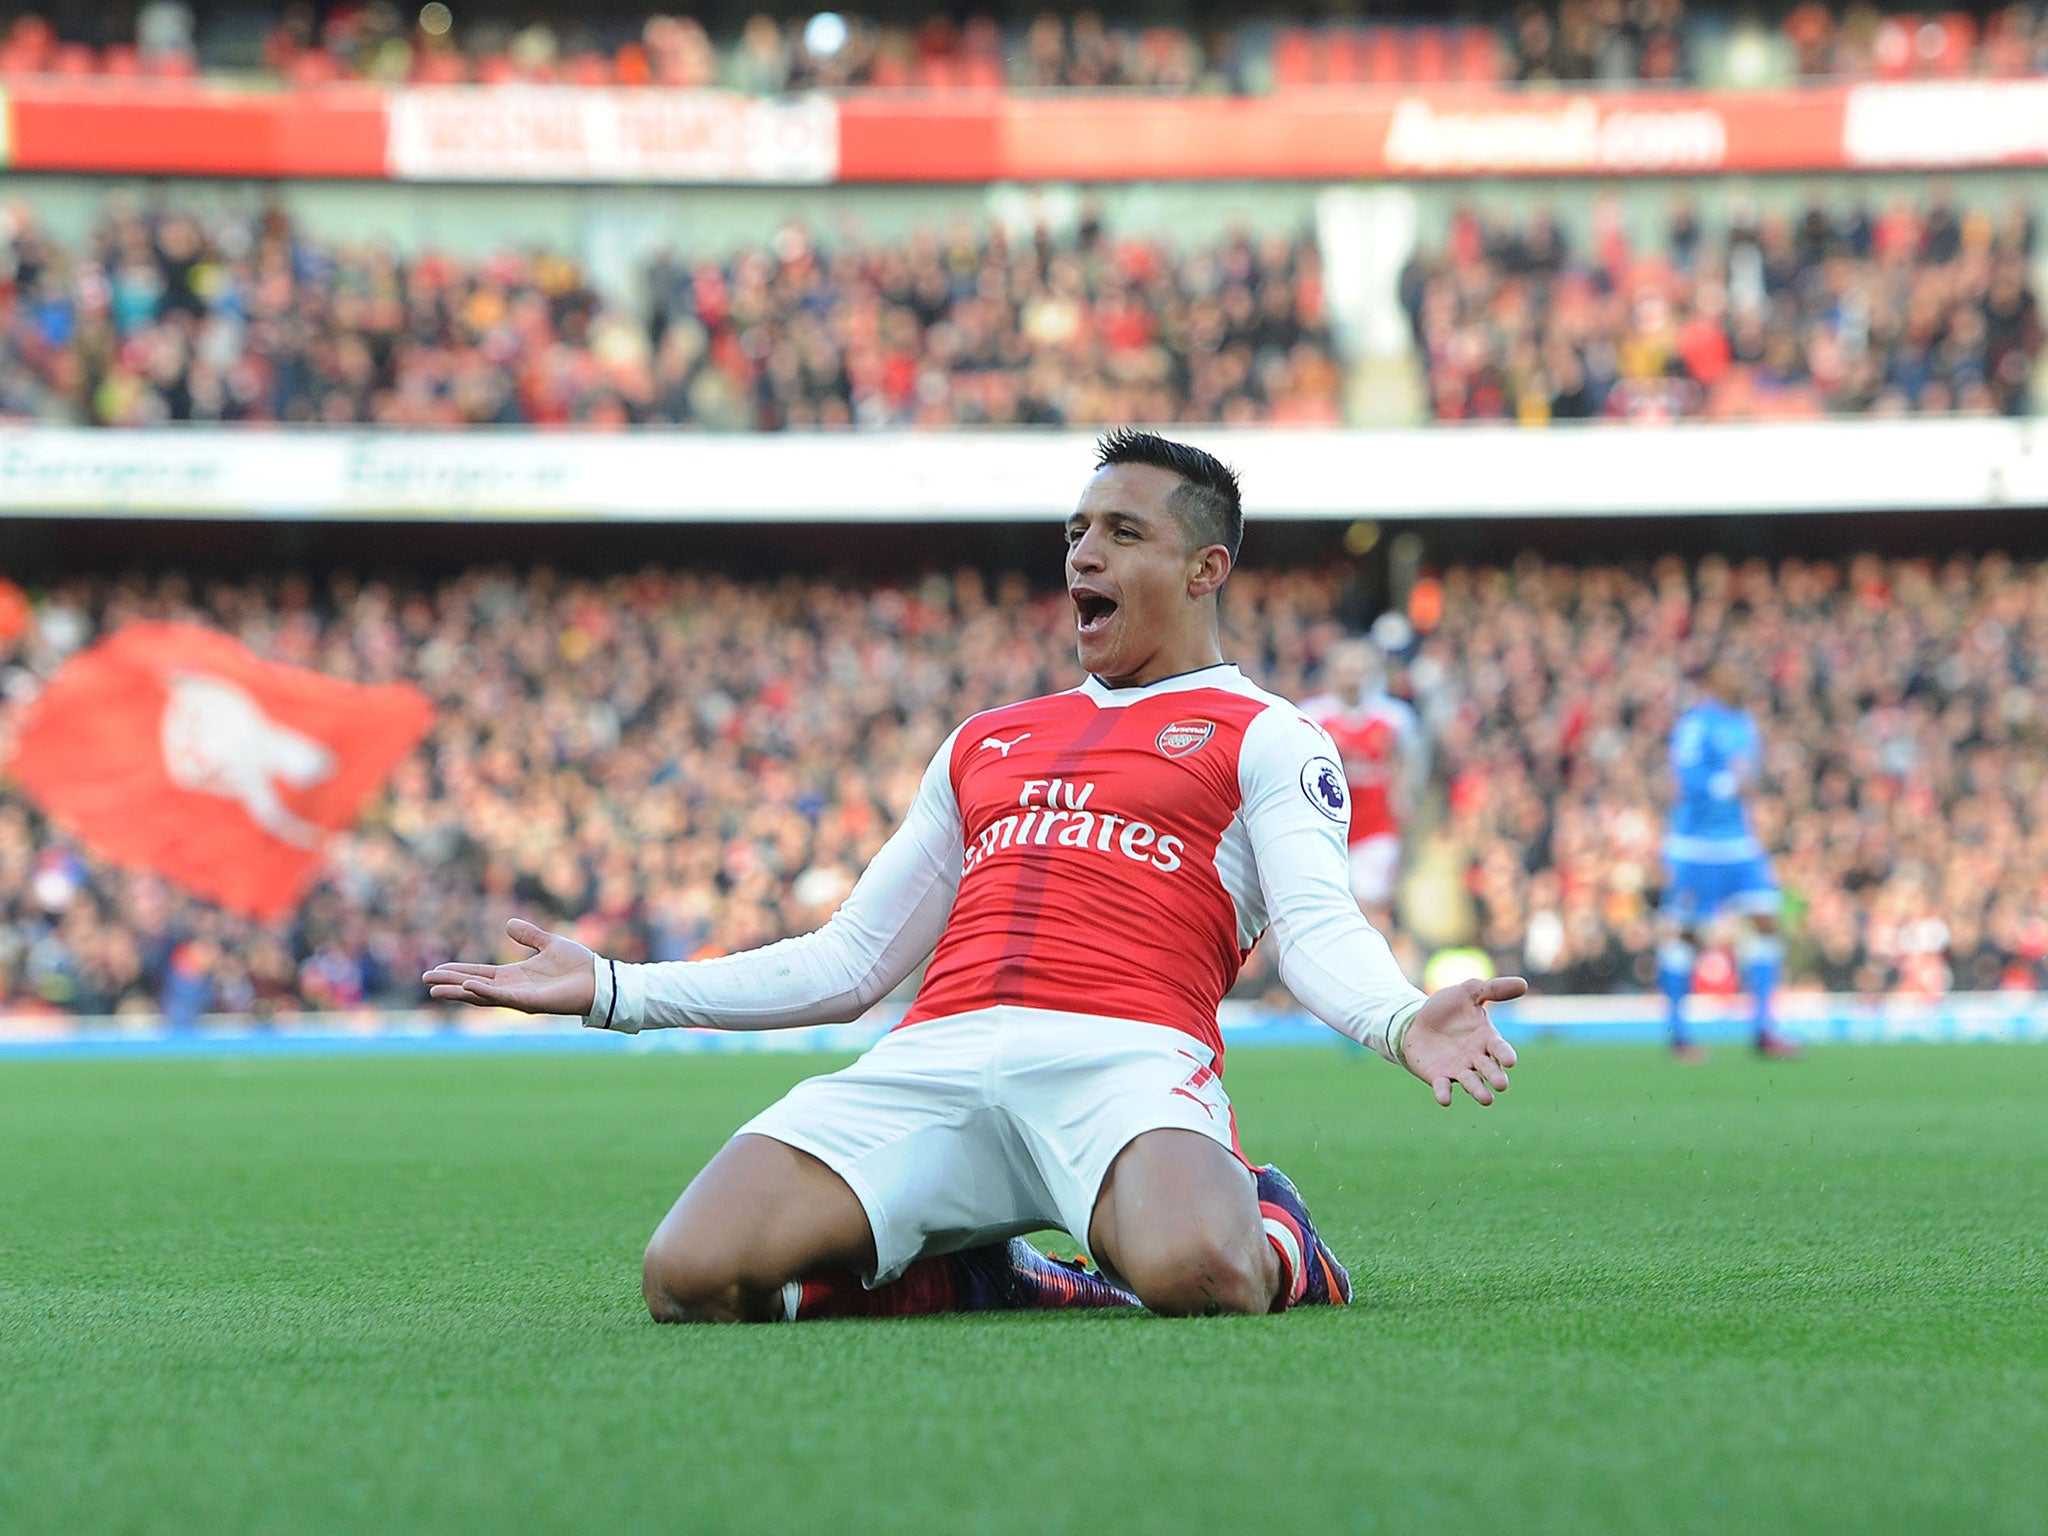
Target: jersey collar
1222, 675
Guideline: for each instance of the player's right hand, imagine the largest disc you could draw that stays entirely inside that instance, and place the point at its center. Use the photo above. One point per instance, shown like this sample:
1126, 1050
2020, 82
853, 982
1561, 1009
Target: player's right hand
560, 976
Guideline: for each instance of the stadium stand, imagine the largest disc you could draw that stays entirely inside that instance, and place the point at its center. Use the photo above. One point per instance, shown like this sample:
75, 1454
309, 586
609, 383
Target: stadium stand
685, 764
1898, 787
1848, 308
1614, 42
166, 316
1839, 310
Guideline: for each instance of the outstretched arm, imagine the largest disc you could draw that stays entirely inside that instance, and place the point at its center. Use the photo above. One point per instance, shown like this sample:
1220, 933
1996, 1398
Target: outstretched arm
1450, 1041
885, 928
1330, 956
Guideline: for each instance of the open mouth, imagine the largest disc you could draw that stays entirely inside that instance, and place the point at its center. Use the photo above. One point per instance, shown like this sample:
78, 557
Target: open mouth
1095, 611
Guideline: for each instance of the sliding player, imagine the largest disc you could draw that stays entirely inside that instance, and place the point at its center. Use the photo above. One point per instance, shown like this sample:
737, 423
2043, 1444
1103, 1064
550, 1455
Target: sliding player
1091, 869
1714, 866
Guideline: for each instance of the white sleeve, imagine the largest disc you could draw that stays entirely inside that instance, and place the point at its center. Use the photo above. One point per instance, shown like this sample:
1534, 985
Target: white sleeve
889, 923
1296, 809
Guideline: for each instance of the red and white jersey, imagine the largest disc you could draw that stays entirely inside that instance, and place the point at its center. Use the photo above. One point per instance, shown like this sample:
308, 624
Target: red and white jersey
1375, 738
1104, 852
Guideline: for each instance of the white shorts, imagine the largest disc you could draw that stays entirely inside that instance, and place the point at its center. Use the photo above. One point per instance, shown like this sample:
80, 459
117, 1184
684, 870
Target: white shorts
1375, 862
966, 1130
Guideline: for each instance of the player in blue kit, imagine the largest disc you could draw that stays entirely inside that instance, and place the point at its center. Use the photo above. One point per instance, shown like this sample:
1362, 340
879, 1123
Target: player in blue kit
1713, 864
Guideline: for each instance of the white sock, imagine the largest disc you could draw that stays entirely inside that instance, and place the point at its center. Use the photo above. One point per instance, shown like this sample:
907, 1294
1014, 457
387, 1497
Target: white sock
1282, 1237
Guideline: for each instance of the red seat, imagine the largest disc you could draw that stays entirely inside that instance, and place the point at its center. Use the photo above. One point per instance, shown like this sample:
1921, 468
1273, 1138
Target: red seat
1386, 57
1429, 56
1891, 47
441, 66
314, 66
74, 60
1340, 57
1293, 64
1957, 46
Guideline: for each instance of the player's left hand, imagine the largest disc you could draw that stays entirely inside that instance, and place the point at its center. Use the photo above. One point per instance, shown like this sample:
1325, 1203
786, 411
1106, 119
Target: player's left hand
1452, 1042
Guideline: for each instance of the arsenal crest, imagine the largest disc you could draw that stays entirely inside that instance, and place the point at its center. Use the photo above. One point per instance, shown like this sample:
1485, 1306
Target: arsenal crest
1185, 736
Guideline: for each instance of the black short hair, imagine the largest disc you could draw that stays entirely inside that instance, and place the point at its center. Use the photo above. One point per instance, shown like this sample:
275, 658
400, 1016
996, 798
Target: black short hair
1208, 502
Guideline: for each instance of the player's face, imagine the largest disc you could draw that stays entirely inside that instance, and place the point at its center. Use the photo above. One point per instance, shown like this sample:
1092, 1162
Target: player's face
1348, 669
1129, 572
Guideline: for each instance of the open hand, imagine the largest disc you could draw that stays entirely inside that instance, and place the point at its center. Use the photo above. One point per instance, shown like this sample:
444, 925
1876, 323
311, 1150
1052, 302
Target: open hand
560, 976
1452, 1043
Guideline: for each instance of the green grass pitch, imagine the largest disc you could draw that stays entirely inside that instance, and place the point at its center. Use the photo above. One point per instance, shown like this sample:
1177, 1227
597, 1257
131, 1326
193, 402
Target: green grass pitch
401, 1294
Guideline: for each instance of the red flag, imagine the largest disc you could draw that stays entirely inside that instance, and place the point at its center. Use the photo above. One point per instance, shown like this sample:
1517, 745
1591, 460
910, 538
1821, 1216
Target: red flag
177, 749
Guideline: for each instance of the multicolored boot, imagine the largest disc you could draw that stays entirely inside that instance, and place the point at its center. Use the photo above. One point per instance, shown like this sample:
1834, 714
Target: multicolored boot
996, 1277
1314, 1277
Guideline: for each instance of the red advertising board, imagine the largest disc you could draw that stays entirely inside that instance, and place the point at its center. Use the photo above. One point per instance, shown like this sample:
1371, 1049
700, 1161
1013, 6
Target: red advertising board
194, 130
461, 133
1339, 134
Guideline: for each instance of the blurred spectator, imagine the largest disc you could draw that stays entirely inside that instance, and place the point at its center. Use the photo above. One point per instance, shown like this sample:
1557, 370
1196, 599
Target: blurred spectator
167, 316
1612, 42
1927, 308
675, 764
1857, 41
1540, 42
1902, 792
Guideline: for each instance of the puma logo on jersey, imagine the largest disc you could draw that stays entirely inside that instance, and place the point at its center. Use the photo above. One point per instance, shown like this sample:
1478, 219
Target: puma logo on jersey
1002, 745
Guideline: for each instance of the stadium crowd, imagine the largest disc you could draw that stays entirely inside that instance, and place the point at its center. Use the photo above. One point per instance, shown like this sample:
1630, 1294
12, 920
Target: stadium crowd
1850, 310
1610, 42
678, 764
167, 315
1903, 792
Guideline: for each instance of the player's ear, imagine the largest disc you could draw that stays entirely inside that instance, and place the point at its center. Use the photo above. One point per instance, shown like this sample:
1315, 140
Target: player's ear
1212, 569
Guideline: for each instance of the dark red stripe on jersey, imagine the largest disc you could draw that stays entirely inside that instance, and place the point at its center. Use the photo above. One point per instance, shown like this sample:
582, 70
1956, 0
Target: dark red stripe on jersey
1007, 983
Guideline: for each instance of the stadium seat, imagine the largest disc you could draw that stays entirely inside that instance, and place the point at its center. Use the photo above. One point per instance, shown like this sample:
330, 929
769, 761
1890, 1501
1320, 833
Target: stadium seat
1955, 43
1385, 59
1477, 56
1429, 56
314, 66
1293, 58
74, 61
937, 72
439, 67
1337, 61
1892, 51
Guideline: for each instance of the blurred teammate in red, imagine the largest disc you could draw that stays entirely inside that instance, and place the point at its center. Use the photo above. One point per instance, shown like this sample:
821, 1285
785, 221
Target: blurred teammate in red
1087, 872
1379, 741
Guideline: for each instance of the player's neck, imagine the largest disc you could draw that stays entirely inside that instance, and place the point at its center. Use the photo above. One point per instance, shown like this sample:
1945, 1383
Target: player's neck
1162, 665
